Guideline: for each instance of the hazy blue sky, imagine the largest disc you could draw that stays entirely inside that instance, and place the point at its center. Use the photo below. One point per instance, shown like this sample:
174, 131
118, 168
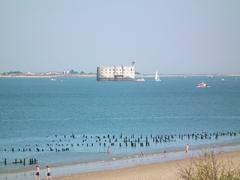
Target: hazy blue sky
172, 36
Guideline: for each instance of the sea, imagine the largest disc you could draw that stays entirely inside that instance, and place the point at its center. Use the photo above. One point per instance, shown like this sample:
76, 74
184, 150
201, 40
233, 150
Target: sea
80, 120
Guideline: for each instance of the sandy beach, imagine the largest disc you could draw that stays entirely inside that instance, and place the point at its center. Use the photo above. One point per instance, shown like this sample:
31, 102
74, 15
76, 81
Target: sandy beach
158, 171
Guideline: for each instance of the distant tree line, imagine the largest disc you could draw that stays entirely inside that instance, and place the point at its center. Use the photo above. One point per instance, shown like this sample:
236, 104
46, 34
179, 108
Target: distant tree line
12, 72
22, 73
76, 72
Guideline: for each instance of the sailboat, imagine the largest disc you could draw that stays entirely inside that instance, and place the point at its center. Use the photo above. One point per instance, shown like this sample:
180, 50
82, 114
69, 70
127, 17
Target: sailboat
157, 76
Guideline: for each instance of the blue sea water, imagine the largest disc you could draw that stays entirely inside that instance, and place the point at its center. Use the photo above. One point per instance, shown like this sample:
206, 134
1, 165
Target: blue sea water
40, 113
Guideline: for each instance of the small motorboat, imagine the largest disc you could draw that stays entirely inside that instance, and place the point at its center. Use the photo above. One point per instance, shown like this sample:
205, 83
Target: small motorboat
202, 85
140, 80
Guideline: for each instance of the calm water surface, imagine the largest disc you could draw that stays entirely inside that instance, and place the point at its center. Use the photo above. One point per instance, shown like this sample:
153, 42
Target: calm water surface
40, 113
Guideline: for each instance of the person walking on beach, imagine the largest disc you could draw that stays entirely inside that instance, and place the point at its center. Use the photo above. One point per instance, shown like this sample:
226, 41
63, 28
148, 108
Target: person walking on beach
109, 150
187, 148
48, 173
37, 173
164, 153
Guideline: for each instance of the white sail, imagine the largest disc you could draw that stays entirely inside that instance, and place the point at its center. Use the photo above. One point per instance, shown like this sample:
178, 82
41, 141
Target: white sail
157, 76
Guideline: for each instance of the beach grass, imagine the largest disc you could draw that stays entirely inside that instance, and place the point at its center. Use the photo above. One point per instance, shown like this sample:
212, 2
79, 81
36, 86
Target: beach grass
209, 167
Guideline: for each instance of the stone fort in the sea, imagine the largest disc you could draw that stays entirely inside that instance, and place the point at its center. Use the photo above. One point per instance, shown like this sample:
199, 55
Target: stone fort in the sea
116, 73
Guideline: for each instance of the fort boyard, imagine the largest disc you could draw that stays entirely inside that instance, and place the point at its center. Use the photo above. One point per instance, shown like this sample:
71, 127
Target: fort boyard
116, 73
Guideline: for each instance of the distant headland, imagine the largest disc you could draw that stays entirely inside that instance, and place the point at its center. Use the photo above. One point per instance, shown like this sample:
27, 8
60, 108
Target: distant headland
70, 73
82, 74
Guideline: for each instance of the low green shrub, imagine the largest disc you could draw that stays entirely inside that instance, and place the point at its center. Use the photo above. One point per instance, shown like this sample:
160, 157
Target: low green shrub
208, 167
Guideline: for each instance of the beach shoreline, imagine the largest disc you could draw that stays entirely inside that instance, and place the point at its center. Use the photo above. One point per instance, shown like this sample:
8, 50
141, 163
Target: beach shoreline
234, 143
155, 171
125, 162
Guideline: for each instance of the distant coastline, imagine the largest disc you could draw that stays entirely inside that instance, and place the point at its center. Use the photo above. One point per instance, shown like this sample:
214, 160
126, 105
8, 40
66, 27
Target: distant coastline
193, 75
93, 75
49, 76
71, 73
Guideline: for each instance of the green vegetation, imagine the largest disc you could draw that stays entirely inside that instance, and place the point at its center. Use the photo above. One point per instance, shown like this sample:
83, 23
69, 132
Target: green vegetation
91, 73
207, 167
81, 72
73, 72
12, 73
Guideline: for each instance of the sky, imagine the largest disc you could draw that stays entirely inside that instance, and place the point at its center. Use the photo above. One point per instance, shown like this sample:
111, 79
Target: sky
171, 36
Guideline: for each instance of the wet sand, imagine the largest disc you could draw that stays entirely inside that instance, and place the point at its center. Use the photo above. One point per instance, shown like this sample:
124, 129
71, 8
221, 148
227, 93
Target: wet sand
158, 171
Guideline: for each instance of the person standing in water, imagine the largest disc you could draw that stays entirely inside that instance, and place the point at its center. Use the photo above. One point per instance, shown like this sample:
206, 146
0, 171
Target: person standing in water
49, 173
37, 173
